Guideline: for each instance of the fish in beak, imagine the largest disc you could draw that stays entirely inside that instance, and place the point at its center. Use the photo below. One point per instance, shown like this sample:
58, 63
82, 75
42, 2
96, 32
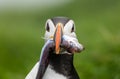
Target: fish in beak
44, 61
58, 37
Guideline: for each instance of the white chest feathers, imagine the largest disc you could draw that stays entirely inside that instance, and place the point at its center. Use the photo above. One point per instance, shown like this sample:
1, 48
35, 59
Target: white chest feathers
51, 74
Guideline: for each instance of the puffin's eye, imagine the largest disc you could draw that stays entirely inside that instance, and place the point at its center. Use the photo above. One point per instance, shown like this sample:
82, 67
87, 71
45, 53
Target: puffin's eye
47, 27
73, 28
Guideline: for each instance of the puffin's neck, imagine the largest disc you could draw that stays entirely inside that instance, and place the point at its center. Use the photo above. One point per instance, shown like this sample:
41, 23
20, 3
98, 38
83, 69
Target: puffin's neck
63, 64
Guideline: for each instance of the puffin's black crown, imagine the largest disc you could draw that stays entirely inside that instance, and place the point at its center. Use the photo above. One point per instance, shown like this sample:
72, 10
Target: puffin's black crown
62, 20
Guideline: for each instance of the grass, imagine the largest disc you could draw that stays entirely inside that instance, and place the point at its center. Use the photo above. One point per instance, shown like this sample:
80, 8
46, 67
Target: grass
98, 29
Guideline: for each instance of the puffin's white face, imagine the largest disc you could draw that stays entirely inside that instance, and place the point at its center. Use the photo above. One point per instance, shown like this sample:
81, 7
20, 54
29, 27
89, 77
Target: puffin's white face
68, 29
59, 29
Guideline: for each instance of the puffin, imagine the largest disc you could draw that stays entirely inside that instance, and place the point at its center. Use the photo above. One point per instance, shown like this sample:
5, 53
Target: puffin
57, 54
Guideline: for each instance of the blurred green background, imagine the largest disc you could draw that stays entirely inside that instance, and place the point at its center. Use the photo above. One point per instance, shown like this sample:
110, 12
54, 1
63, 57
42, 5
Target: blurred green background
98, 29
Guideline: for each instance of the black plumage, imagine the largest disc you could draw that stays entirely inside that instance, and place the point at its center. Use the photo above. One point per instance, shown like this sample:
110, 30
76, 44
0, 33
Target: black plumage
63, 64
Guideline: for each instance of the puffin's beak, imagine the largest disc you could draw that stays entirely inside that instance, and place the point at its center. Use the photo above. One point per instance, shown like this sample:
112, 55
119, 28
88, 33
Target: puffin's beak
58, 37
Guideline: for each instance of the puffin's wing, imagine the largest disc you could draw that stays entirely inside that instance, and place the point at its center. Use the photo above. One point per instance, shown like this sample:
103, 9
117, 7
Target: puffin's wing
38, 70
32, 74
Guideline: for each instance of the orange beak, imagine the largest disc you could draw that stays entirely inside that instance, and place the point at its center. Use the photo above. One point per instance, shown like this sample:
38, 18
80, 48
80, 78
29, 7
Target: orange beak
58, 37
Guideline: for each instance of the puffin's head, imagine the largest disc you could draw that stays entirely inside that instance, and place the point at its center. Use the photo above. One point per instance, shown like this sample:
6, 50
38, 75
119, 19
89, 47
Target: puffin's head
59, 28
